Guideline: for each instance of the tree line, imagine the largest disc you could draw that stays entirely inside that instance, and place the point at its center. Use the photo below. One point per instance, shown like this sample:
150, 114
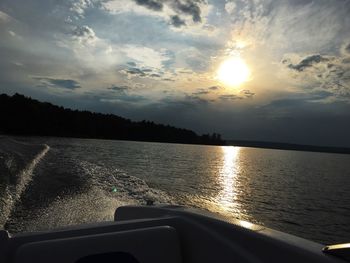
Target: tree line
20, 115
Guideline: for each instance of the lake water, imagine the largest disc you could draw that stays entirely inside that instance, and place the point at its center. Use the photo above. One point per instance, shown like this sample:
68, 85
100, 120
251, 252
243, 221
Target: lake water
52, 182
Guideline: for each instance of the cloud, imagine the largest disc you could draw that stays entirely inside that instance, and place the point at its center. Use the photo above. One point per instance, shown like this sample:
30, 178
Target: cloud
230, 7
226, 97
176, 21
328, 73
134, 72
183, 103
119, 89
132, 64
188, 7
243, 94
145, 56
18, 64
179, 12
201, 92
4, 17
195, 59
146, 73
247, 93
133, 69
59, 83
151, 4
205, 91
78, 7
214, 93
214, 87
195, 99
308, 62
155, 75
12, 33
346, 49
168, 79
84, 35
121, 94
124, 98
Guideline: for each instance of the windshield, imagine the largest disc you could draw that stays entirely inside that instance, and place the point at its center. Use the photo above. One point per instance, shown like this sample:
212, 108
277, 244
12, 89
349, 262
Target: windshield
237, 107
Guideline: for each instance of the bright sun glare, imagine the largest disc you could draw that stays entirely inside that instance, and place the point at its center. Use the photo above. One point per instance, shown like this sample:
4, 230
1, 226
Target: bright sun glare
233, 72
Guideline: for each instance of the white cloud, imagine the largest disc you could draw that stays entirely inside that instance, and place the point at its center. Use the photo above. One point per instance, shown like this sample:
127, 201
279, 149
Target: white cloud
345, 49
319, 72
129, 6
18, 64
79, 7
230, 7
85, 35
147, 57
12, 33
4, 18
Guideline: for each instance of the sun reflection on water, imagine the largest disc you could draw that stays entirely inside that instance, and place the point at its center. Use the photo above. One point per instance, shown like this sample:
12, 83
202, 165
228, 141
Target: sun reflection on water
227, 197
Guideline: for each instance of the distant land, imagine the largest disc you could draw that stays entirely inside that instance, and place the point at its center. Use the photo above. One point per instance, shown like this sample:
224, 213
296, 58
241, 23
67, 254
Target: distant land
20, 115
288, 146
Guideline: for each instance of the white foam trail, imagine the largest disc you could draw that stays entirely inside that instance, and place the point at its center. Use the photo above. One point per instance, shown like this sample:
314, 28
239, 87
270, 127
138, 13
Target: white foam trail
98, 203
27, 173
13, 192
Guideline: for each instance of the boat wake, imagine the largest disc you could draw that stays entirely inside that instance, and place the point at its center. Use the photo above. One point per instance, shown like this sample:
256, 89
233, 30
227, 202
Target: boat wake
17, 163
63, 189
108, 189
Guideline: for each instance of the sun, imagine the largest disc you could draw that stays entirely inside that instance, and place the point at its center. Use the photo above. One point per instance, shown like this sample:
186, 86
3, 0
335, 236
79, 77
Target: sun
233, 72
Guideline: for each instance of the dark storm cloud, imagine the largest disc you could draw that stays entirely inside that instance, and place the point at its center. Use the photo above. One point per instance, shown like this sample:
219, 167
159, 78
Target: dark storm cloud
307, 62
176, 21
151, 4
187, 7
60, 83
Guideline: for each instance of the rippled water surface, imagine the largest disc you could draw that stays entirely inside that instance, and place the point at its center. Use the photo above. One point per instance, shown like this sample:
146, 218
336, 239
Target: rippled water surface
77, 181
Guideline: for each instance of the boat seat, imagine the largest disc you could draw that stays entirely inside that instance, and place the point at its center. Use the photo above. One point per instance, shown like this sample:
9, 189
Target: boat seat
145, 245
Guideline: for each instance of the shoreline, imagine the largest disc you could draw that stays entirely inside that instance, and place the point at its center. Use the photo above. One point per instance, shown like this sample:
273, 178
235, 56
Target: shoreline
288, 146
237, 143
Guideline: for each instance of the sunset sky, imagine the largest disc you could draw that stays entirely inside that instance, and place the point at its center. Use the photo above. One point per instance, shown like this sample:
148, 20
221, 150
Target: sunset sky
248, 69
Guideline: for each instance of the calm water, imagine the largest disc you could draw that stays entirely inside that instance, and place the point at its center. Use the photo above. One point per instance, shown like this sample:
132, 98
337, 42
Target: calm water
69, 181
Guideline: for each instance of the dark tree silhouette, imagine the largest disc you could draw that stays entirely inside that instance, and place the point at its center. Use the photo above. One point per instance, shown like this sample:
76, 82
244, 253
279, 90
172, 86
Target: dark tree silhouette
20, 115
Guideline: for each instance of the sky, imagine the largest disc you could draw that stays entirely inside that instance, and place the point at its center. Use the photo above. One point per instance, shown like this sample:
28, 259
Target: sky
169, 62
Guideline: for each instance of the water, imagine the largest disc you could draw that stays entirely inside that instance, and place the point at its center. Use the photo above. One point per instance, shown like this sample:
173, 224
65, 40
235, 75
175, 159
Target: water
52, 182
